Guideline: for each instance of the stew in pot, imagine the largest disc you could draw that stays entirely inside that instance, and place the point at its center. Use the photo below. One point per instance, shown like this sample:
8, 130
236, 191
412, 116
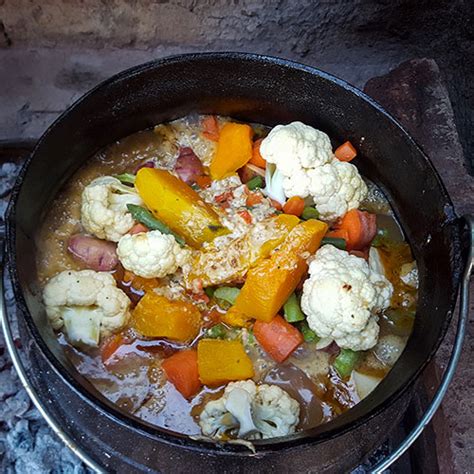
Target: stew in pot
227, 280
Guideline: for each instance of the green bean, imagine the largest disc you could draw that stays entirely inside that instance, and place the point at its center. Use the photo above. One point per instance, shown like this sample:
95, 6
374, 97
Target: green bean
255, 182
345, 362
292, 310
309, 213
145, 217
126, 178
336, 241
308, 334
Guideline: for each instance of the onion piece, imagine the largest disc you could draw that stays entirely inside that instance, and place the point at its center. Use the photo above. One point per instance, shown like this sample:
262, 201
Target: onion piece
364, 384
323, 343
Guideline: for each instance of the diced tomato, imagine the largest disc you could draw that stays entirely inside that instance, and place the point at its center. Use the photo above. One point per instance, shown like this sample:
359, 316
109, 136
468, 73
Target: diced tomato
246, 216
278, 338
182, 371
253, 199
210, 127
224, 198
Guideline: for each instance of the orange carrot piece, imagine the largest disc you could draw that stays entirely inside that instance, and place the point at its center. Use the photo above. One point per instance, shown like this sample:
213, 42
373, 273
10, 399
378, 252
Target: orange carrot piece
211, 128
246, 216
110, 347
294, 206
182, 371
346, 152
361, 228
339, 234
257, 159
278, 338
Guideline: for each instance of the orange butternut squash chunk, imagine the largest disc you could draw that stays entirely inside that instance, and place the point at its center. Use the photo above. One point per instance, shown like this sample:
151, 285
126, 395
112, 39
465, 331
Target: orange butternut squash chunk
272, 280
178, 206
236, 318
234, 150
218, 265
220, 362
157, 316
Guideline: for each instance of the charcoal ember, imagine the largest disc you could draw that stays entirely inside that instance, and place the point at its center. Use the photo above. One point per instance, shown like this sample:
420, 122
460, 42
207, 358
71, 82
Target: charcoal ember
8, 172
14, 407
20, 439
9, 383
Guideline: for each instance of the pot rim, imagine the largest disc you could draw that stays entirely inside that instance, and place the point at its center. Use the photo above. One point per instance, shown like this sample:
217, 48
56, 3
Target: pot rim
349, 420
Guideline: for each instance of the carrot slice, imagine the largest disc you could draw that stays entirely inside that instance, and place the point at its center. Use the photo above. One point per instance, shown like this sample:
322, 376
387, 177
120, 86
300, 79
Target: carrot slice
110, 347
278, 338
182, 371
346, 152
294, 206
361, 228
257, 159
211, 128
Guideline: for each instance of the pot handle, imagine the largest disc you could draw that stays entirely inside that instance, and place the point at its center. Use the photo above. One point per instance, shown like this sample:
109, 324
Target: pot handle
453, 360
20, 370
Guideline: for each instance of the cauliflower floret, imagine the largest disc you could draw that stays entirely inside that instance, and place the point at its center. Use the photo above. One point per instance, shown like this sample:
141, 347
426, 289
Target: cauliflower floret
296, 146
104, 208
254, 411
307, 167
151, 254
342, 297
87, 303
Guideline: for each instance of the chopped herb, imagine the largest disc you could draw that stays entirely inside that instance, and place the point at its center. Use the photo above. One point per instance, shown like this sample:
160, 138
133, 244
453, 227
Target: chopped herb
216, 332
209, 291
226, 296
380, 238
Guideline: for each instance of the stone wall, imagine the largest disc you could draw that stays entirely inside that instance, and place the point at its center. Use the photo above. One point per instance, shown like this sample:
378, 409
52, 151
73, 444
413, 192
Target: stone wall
343, 35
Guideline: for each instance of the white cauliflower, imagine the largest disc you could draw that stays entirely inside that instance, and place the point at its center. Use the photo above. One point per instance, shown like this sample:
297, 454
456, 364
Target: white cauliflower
151, 254
307, 167
253, 411
342, 296
104, 208
87, 303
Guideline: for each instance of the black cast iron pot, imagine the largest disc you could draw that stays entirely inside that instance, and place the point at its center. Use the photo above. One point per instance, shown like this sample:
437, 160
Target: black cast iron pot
256, 89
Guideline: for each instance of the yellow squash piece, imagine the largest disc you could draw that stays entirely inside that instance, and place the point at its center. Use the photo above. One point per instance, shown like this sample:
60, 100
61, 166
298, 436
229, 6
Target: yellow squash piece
272, 280
234, 150
230, 264
220, 362
234, 317
157, 316
178, 206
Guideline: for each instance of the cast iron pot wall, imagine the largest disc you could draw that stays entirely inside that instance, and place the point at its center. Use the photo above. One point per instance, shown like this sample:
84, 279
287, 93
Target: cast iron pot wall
269, 91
